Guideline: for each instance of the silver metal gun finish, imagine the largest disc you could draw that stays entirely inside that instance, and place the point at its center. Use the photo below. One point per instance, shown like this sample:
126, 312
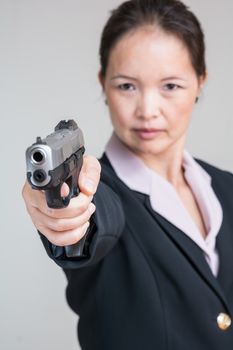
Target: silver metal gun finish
48, 153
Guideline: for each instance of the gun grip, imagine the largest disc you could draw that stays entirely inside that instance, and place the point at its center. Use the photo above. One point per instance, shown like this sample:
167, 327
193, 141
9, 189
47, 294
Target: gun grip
68, 172
71, 170
77, 249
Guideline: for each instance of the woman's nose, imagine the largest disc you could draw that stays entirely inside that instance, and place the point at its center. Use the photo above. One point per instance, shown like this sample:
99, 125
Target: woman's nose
149, 106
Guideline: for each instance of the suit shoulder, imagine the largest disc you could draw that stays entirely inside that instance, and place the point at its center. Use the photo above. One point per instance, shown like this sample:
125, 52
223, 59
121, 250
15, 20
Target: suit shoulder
108, 174
105, 163
215, 171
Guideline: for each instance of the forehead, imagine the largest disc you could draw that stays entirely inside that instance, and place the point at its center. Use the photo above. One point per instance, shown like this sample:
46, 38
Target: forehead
149, 48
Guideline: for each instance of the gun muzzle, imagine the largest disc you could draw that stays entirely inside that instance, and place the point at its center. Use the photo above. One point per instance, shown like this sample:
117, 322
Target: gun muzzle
38, 156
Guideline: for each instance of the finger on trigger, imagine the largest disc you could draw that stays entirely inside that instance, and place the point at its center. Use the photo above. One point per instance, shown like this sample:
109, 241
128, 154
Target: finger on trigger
65, 190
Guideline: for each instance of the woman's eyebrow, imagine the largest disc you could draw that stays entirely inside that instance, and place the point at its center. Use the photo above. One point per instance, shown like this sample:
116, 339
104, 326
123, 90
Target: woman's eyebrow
122, 76
174, 78
127, 77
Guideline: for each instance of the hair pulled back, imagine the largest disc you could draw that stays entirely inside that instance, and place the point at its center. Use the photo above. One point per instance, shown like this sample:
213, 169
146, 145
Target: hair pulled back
172, 16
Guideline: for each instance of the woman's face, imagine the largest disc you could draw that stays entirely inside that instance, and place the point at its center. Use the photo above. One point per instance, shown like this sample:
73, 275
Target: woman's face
151, 88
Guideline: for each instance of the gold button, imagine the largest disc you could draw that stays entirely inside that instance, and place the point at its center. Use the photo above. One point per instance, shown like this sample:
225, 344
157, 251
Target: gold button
224, 321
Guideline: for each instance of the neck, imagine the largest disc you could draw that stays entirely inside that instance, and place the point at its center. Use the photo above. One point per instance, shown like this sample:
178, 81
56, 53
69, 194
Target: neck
167, 164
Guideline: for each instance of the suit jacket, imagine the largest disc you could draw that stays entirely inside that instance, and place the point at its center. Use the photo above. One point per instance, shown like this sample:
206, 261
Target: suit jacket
145, 284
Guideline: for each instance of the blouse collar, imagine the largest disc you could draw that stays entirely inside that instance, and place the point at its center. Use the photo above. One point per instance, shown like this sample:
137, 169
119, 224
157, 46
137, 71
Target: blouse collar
164, 198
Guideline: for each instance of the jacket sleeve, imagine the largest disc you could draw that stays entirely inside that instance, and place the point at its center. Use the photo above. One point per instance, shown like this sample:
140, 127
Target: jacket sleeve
107, 224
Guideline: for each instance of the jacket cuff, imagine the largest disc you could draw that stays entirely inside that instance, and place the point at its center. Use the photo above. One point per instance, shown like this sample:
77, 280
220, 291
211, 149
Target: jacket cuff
106, 226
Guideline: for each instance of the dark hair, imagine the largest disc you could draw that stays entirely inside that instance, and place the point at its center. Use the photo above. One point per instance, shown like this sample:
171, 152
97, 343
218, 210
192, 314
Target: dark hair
172, 16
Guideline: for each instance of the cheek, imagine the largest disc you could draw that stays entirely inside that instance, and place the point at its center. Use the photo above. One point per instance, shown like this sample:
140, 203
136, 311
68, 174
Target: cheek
121, 111
180, 116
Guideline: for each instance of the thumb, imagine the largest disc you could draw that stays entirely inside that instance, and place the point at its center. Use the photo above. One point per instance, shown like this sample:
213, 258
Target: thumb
89, 175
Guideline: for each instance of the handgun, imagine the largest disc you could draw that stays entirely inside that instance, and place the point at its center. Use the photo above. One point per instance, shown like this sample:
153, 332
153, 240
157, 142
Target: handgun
54, 160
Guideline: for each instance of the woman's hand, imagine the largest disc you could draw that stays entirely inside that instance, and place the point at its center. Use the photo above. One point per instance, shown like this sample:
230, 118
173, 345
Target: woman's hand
65, 226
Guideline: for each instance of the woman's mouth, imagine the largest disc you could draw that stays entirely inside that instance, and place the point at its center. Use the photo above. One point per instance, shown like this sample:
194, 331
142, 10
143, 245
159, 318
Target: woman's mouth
148, 134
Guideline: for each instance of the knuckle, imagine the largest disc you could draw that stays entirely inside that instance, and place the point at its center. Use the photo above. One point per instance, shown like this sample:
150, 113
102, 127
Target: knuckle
60, 240
81, 208
74, 238
53, 213
91, 208
41, 228
56, 225
52, 237
50, 211
83, 219
64, 239
79, 233
61, 225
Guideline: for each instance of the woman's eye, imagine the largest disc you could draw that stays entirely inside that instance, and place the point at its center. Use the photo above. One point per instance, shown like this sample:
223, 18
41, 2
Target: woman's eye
171, 87
126, 87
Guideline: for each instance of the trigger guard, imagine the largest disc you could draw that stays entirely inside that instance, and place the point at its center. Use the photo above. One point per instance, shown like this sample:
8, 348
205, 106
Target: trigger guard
66, 200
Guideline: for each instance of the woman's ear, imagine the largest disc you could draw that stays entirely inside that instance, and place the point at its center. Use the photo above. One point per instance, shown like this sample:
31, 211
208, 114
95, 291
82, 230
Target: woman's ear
202, 80
101, 79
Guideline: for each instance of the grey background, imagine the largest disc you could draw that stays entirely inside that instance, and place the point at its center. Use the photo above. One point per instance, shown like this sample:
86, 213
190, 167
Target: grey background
48, 72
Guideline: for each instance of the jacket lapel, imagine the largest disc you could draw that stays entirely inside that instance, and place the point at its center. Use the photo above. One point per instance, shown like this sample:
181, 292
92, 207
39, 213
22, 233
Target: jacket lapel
224, 241
189, 248
224, 245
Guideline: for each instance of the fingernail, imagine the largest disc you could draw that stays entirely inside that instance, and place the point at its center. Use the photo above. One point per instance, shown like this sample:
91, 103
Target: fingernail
89, 185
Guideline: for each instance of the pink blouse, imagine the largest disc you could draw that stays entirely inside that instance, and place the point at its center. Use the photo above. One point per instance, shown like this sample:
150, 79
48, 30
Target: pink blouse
165, 200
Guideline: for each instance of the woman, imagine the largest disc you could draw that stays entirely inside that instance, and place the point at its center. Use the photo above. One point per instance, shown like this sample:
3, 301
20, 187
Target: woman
159, 271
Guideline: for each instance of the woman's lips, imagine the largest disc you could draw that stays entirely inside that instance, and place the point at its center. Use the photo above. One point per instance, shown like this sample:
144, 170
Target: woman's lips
147, 134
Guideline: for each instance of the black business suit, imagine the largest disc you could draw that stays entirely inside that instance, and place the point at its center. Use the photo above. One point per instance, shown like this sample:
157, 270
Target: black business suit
146, 285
